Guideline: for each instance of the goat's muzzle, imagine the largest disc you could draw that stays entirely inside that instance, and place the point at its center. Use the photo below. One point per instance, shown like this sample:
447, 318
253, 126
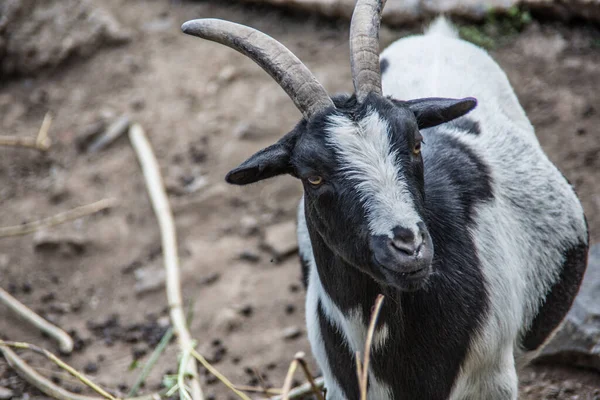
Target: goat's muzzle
404, 259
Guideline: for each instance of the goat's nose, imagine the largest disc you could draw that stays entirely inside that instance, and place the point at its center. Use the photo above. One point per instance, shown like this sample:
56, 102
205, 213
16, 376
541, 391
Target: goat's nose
406, 241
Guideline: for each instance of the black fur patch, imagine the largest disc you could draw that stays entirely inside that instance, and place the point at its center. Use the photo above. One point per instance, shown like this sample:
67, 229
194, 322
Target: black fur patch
340, 357
467, 125
559, 299
383, 65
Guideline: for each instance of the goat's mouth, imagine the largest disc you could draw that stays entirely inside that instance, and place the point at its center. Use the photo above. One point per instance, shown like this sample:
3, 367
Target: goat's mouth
407, 281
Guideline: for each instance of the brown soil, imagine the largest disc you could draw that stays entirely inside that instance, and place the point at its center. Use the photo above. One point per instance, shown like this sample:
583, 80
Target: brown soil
203, 121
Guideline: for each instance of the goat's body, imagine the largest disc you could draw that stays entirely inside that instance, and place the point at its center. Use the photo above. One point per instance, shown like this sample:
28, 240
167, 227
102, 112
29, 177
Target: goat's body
510, 245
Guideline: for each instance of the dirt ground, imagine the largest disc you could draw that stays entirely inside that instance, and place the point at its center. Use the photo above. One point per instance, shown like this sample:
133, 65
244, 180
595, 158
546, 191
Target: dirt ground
206, 108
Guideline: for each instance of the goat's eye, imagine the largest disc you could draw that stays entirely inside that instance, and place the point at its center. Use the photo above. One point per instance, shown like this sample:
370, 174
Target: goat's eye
315, 180
417, 148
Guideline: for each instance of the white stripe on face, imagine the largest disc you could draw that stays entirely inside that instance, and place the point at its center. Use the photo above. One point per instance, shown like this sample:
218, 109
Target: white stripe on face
368, 160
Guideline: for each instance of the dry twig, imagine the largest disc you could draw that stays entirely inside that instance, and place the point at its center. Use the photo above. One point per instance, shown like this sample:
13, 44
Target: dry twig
363, 371
316, 390
254, 389
287, 385
216, 373
57, 219
160, 203
37, 380
64, 340
111, 134
41, 142
48, 387
303, 390
4, 345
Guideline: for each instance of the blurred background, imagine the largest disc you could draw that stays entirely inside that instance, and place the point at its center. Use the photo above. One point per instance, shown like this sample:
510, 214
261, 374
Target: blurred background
97, 66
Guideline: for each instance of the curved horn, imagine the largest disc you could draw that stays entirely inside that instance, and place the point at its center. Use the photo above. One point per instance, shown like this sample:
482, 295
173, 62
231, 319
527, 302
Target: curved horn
279, 62
364, 47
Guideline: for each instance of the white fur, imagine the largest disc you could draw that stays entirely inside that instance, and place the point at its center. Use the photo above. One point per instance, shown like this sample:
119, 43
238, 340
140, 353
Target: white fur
365, 150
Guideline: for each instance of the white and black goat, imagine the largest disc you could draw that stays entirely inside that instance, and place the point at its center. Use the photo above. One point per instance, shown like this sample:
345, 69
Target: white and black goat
475, 238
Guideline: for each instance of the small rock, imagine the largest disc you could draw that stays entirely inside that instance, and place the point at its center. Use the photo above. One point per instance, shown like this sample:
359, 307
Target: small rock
290, 308
227, 74
210, 279
291, 333
281, 239
149, 279
5, 393
90, 368
247, 310
250, 256
65, 244
294, 288
228, 320
26, 287
248, 225
139, 352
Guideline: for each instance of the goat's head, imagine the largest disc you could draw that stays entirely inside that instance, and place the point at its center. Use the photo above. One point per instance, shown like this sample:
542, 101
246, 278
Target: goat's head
358, 157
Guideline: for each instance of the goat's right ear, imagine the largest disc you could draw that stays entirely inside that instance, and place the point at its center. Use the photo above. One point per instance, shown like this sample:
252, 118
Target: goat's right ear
267, 163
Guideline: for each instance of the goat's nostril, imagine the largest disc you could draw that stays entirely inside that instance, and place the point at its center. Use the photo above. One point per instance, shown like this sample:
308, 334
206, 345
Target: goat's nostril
405, 247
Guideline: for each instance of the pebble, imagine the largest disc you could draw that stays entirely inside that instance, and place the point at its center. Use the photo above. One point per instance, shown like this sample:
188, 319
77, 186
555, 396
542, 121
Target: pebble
291, 333
247, 310
5, 393
281, 239
249, 256
227, 74
210, 279
90, 368
227, 320
290, 308
65, 244
149, 279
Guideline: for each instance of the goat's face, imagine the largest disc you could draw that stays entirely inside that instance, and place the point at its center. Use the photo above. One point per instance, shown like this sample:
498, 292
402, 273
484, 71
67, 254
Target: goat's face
362, 172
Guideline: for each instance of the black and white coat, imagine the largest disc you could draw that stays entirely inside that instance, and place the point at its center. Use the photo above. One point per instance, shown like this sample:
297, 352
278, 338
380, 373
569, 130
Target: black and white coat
509, 234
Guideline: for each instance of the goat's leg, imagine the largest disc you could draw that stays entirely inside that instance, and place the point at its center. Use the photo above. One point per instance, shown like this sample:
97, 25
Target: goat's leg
493, 382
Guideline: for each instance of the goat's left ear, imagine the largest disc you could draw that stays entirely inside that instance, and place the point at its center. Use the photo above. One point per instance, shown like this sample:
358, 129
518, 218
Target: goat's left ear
266, 163
435, 111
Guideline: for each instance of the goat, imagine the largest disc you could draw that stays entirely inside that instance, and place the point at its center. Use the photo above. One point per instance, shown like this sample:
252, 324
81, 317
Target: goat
445, 204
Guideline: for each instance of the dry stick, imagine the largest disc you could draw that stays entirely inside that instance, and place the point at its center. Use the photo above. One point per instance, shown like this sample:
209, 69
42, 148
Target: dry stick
309, 376
20, 345
64, 340
47, 386
76, 213
287, 383
254, 389
160, 203
37, 380
41, 142
216, 373
365, 367
302, 390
